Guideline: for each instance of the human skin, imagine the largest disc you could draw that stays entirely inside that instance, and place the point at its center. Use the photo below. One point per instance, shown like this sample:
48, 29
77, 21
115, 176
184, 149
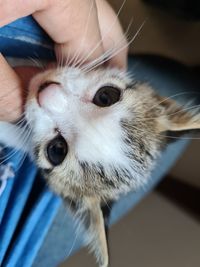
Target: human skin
76, 26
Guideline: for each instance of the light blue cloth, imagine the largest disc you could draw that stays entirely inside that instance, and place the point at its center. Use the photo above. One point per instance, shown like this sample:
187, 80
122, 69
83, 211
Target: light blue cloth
35, 229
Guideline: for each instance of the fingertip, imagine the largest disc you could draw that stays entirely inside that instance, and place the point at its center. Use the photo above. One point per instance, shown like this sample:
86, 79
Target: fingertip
26, 73
11, 96
120, 61
76, 52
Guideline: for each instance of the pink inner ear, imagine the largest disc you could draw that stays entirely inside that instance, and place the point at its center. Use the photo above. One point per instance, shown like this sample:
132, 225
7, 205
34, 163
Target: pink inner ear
52, 98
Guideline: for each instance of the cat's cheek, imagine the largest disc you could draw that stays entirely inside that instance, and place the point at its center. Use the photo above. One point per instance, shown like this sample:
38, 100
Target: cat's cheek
32, 114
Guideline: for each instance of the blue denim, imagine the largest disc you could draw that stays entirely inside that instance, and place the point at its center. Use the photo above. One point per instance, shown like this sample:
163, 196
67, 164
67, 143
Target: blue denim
24, 38
35, 228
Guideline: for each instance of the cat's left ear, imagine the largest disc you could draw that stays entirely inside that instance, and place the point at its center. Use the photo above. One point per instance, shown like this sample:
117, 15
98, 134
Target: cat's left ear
88, 211
174, 117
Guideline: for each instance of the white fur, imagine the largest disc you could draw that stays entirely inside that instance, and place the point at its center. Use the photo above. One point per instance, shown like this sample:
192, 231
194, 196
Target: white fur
93, 133
12, 136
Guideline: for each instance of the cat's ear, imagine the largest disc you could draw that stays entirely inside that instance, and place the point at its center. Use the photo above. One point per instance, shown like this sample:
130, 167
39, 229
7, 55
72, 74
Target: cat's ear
90, 215
174, 117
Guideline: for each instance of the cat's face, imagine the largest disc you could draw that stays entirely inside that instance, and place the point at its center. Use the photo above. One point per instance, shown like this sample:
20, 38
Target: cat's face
95, 133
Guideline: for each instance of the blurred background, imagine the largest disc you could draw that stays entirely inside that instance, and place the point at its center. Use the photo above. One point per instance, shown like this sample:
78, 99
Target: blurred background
164, 229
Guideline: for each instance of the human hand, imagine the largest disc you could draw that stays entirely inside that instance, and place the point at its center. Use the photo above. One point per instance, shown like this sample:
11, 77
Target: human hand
80, 30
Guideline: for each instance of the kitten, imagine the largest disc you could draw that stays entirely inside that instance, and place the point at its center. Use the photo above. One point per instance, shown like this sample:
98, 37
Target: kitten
95, 135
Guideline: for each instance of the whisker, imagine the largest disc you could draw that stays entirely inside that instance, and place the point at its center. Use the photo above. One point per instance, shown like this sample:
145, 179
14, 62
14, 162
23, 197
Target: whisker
107, 204
75, 60
60, 57
70, 204
101, 59
165, 99
75, 239
146, 131
3, 186
20, 121
178, 137
37, 63
105, 35
172, 96
174, 113
22, 159
68, 60
119, 46
117, 50
14, 150
24, 154
109, 51
181, 138
23, 128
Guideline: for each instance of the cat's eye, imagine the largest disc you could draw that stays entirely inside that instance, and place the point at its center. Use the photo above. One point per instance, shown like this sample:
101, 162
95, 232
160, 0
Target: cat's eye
56, 150
107, 96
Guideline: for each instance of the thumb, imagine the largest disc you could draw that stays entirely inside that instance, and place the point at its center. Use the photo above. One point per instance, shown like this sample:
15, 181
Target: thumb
11, 97
12, 93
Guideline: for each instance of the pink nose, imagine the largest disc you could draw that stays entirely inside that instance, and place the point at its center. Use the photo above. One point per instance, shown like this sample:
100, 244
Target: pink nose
51, 97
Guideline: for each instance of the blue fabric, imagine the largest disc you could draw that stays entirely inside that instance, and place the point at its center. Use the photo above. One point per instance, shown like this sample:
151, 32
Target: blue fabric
28, 241
13, 212
35, 229
27, 207
25, 38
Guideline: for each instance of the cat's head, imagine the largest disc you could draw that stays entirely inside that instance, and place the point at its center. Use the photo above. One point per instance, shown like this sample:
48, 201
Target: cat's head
97, 133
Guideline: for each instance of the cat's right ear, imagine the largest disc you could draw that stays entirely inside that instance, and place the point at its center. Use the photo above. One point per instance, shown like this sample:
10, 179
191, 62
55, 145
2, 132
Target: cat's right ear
174, 117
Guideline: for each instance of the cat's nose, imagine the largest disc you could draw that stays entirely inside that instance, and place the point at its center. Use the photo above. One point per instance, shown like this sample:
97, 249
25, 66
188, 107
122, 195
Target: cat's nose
51, 97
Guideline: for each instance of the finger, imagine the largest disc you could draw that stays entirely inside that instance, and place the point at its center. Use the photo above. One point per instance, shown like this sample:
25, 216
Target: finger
26, 73
13, 89
11, 10
11, 98
65, 21
113, 37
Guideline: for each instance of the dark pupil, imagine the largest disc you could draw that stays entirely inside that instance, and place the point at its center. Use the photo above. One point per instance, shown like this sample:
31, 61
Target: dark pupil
107, 96
57, 150
104, 99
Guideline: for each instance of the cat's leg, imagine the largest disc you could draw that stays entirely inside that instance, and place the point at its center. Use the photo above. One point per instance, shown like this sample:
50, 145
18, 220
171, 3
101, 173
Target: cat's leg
90, 215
